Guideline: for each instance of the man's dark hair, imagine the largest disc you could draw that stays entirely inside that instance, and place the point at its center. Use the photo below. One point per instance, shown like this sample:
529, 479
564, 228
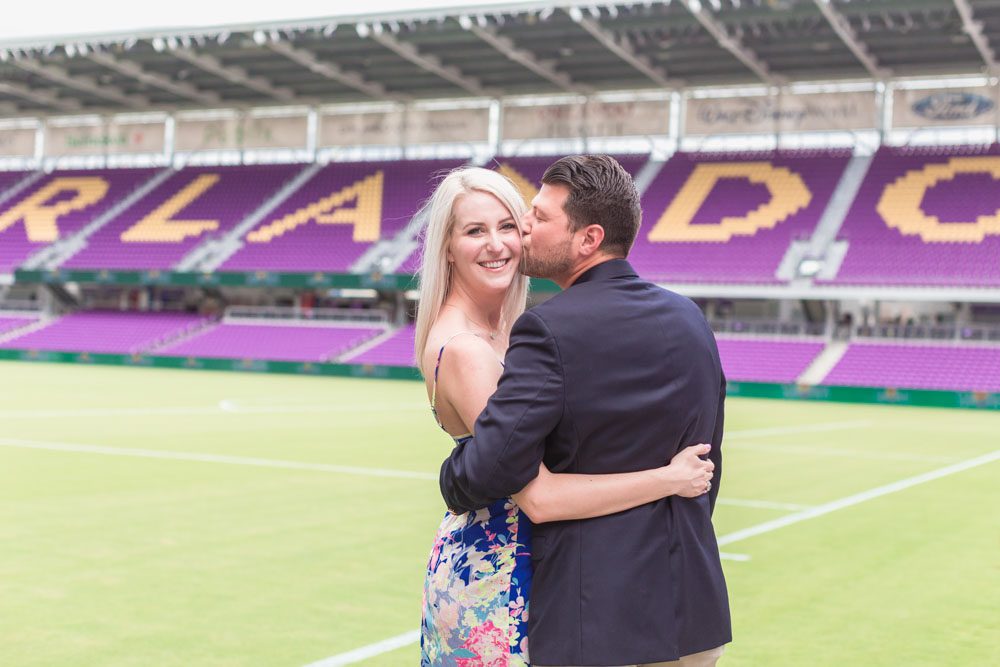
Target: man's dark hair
601, 193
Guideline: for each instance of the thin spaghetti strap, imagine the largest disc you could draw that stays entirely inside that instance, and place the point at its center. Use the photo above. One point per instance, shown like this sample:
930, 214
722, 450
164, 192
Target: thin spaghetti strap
437, 367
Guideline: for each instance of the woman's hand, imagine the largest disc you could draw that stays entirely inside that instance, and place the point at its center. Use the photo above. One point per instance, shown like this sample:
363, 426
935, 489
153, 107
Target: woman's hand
689, 475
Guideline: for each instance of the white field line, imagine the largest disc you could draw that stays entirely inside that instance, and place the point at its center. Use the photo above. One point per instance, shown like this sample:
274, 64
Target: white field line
370, 651
812, 450
740, 558
858, 498
393, 643
214, 458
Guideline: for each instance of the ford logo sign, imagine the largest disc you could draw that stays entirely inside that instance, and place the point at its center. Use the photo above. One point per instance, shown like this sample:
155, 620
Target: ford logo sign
952, 106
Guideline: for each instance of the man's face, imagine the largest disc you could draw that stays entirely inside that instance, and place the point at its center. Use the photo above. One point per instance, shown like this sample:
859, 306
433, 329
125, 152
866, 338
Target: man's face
546, 237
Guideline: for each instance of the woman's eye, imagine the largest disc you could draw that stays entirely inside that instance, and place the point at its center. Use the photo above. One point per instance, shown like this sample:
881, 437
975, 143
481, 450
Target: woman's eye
509, 225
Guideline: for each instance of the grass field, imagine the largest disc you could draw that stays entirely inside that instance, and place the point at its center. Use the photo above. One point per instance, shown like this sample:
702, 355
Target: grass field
154, 517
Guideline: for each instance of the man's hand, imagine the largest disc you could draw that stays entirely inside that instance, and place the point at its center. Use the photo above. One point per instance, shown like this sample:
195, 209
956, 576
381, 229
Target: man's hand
690, 475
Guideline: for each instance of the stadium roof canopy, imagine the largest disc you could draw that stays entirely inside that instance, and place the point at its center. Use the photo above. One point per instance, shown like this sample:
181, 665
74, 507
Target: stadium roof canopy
500, 50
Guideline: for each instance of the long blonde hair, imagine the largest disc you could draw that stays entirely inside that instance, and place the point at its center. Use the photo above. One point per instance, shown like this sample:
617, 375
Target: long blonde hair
435, 272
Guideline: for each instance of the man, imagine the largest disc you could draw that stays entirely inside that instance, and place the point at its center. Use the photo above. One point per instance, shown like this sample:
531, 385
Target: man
612, 375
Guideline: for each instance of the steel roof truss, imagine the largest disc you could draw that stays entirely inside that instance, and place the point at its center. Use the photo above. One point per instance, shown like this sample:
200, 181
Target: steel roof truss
83, 83
236, 75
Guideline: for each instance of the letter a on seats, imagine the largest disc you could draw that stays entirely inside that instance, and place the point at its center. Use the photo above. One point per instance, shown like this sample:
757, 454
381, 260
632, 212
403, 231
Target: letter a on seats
366, 216
523, 185
41, 217
160, 227
788, 196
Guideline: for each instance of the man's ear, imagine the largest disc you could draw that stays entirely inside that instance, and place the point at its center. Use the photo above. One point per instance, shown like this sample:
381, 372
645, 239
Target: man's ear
590, 239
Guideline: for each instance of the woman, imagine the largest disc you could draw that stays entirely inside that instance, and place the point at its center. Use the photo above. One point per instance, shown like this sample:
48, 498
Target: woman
479, 574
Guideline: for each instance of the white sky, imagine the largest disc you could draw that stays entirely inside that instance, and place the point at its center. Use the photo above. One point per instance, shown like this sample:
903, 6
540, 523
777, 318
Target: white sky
34, 18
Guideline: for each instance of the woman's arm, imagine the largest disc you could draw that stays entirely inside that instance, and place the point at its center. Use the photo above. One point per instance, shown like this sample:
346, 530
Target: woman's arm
559, 497
468, 376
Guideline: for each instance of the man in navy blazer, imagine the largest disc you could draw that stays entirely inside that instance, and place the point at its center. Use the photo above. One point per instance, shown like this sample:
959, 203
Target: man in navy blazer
614, 374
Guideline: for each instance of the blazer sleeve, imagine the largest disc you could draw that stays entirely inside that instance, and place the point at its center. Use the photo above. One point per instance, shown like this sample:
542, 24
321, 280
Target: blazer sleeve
716, 454
509, 441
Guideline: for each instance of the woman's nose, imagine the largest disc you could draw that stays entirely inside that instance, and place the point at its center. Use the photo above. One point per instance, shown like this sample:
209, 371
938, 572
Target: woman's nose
495, 243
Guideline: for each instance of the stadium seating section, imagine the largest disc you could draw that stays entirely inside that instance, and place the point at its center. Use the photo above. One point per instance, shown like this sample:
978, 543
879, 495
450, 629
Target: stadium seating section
397, 350
110, 332
9, 324
922, 217
913, 366
57, 205
762, 360
731, 218
926, 217
339, 213
192, 205
274, 342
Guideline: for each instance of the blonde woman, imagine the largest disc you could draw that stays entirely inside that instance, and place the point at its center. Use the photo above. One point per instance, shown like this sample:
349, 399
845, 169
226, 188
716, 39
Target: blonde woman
476, 590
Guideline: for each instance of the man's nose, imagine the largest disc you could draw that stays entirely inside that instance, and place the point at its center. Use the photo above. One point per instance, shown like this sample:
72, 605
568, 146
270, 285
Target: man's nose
526, 223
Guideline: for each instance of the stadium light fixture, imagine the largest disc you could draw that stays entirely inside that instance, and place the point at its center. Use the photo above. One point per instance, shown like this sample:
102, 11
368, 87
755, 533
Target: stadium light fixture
694, 6
172, 42
130, 43
465, 22
70, 51
363, 30
259, 38
377, 28
159, 44
575, 14
275, 36
595, 11
329, 30
222, 37
546, 13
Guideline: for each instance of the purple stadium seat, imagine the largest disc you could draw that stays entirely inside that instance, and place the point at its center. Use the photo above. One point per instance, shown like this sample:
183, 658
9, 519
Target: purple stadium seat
915, 366
193, 205
9, 179
394, 351
106, 331
731, 218
761, 360
11, 323
923, 218
339, 213
272, 342
58, 205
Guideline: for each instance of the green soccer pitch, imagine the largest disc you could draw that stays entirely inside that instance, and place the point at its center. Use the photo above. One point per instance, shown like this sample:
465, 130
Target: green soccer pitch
157, 517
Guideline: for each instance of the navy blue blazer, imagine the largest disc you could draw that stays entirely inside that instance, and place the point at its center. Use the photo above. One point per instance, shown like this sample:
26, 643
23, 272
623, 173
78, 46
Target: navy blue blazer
614, 374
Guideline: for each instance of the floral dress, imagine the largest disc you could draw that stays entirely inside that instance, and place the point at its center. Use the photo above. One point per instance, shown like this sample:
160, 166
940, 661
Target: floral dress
475, 603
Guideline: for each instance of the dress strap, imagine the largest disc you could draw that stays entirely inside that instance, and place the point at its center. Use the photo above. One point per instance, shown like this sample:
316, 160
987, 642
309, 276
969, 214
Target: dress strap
437, 366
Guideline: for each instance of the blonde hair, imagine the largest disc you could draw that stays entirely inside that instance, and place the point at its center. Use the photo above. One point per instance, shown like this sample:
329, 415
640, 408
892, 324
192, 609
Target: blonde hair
435, 272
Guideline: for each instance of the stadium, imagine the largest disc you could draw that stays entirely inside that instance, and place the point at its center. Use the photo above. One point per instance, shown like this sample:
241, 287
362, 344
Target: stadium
213, 448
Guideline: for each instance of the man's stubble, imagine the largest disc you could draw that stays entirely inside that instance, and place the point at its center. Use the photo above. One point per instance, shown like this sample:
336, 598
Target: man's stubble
552, 264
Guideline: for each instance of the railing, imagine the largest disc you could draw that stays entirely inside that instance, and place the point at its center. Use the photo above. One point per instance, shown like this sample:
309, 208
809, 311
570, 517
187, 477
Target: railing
372, 316
768, 327
942, 332
32, 307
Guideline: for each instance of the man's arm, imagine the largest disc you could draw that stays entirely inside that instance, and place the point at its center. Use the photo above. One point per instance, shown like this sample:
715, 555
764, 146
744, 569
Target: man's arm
715, 456
507, 449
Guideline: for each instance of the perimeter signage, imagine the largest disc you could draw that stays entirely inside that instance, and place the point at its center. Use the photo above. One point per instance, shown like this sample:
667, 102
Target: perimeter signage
786, 113
973, 106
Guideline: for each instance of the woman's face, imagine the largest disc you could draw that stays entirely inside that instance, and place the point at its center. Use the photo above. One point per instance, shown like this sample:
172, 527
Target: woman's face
485, 245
